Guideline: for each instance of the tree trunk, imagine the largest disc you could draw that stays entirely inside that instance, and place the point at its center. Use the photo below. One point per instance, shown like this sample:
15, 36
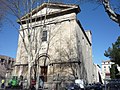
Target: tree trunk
29, 71
38, 73
29, 76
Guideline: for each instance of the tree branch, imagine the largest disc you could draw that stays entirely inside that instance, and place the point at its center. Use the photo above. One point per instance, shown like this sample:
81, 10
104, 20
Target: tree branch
113, 15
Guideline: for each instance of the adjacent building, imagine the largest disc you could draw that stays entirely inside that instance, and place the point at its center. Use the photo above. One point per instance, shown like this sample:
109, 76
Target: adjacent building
6, 65
97, 74
59, 35
106, 65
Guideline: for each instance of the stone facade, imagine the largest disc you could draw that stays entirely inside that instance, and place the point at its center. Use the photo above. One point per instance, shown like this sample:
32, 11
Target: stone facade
67, 45
97, 74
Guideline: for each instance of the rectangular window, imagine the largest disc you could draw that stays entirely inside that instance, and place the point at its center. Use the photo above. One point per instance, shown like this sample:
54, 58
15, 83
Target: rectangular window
9, 61
2, 60
44, 73
44, 36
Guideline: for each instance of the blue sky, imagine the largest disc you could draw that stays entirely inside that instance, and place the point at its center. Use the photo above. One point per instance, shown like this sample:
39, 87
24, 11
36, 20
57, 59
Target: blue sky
104, 32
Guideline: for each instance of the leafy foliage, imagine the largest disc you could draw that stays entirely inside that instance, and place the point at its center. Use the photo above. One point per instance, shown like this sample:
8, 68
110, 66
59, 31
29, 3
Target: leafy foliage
114, 52
114, 71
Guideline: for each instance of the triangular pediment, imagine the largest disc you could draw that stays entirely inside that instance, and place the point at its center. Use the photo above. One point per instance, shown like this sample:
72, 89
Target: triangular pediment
48, 10
51, 8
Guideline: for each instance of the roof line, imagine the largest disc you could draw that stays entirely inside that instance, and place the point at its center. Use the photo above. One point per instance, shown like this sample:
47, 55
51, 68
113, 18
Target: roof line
48, 5
84, 32
53, 14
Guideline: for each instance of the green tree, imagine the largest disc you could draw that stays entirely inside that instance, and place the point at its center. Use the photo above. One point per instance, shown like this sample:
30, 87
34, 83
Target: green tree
114, 52
114, 72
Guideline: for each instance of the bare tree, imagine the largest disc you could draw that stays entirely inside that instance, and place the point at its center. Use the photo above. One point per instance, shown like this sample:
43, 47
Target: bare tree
30, 37
115, 16
111, 13
30, 33
110, 7
2, 12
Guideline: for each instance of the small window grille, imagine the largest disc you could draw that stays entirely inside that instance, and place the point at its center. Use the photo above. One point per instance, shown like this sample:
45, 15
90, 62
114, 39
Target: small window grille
44, 36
